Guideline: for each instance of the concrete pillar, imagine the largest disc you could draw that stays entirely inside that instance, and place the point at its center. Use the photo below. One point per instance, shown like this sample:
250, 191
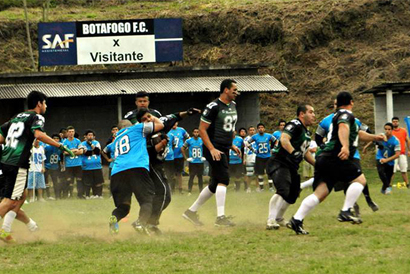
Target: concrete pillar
389, 104
119, 108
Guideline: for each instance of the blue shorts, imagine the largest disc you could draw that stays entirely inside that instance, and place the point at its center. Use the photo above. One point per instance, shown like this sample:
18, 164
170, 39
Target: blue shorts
39, 180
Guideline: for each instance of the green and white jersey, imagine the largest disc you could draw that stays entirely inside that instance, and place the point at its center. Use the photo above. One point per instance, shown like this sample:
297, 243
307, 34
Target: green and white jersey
19, 136
222, 119
333, 145
300, 141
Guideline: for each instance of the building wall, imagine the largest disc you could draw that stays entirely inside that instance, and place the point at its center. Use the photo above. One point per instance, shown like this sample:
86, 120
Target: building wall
9, 108
401, 109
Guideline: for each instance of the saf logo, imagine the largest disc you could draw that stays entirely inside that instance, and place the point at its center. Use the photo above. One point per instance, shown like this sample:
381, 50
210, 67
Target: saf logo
57, 42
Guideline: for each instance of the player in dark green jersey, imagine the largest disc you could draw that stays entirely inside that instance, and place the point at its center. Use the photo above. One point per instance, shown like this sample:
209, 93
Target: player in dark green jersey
18, 135
335, 164
284, 164
216, 129
141, 101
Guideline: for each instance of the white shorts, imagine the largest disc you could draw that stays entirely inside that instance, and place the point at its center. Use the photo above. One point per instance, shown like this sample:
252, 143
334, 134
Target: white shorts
250, 164
401, 163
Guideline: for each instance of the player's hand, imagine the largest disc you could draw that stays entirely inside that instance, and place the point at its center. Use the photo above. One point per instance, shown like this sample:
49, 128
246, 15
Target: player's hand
62, 168
296, 156
383, 161
65, 149
216, 154
189, 160
203, 159
344, 153
237, 150
192, 111
381, 137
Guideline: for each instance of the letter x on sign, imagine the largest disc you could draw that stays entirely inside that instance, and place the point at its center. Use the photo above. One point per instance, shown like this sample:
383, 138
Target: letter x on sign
116, 42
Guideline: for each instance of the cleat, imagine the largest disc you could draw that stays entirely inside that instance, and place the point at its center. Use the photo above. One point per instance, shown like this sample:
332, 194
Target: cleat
6, 237
113, 224
248, 190
373, 205
297, 226
388, 190
356, 209
140, 228
347, 216
272, 225
192, 217
153, 229
34, 228
223, 221
281, 222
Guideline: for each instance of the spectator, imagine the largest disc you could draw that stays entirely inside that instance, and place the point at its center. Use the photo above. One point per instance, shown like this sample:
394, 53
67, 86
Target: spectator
401, 162
36, 172
73, 166
53, 157
195, 159
180, 135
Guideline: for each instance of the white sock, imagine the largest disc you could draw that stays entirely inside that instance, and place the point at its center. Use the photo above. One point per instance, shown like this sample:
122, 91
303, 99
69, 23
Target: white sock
202, 198
307, 183
8, 220
32, 226
308, 204
352, 195
220, 196
282, 211
275, 204
260, 180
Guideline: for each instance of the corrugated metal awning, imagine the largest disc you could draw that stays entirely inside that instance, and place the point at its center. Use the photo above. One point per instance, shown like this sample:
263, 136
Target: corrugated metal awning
246, 83
400, 87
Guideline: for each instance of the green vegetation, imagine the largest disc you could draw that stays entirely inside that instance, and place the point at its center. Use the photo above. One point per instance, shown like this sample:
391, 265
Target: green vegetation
74, 238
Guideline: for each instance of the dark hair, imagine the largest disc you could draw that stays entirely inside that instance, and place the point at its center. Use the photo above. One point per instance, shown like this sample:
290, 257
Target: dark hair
194, 129
395, 118
242, 128
301, 108
141, 94
141, 112
389, 124
76, 135
281, 121
89, 131
260, 124
34, 97
343, 98
227, 83
62, 129
56, 135
114, 127
70, 127
250, 127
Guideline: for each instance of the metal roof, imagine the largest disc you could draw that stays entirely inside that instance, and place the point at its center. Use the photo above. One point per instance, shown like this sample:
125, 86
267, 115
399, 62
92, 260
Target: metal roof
393, 86
246, 83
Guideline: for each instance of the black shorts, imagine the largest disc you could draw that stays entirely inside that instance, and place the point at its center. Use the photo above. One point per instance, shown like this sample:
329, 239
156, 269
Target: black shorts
287, 182
196, 169
14, 181
93, 177
135, 181
54, 174
178, 165
219, 170
236, 170
260, 165
73, 172
337, 174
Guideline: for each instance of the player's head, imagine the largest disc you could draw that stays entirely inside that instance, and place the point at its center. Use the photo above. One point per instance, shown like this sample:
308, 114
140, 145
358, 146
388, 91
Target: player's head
388, 129
89, 135
261, 128
344, 100
63, 133
395, 121
281, 124
306, 114
70, 132
56, 137
144, 116
124, 123
175, 125
195, 132
242, 132
36, 100
142, 99
251, 130
229, 89
36, 143
114, 130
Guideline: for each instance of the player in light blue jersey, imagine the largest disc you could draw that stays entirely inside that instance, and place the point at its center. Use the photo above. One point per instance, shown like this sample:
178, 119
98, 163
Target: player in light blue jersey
72, 169
91, 166
180, 135
130, 172
195, 159
249, 159
53, 158
169, 161
263, 143
235, 160
278, 133
109, 154
322, 132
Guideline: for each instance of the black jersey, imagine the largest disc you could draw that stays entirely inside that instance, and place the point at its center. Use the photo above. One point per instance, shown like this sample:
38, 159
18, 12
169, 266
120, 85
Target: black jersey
300, 141
19, 137
132, 115
333, 145
222, 119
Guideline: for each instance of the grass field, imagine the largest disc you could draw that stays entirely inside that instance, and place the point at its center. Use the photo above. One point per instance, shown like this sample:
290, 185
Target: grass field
74, 238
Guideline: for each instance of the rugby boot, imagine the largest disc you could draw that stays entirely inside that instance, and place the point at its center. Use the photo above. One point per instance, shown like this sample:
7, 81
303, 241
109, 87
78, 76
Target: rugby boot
223, 221
6, 237
192, 217
113, 225
297, 226
347, 216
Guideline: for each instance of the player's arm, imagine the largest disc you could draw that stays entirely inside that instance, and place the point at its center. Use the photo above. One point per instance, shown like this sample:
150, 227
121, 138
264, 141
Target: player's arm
367, 137
3, 131
184, 149
1, 139
158, 125
320, 135
391, 158
203, 127
285, 142
367, 146
105, 155
343, 134
309, 158
41, 136
408, 144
